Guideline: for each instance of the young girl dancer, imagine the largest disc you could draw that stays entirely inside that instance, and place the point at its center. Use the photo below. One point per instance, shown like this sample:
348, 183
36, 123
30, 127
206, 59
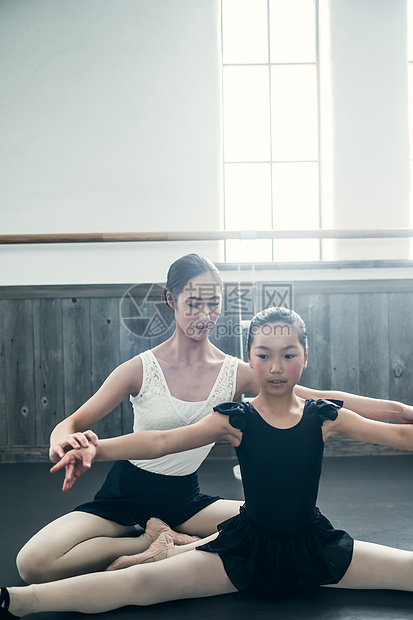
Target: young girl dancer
175, 384
279, 542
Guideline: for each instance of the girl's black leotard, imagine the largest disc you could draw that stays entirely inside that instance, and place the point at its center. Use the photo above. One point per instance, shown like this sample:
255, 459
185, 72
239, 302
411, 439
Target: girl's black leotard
280, 542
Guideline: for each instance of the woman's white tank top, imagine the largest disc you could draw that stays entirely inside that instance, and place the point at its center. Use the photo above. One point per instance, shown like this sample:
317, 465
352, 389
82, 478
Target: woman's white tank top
154, 408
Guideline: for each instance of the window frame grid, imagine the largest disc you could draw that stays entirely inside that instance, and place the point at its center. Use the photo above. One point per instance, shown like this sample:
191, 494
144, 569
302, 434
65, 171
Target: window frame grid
271, 162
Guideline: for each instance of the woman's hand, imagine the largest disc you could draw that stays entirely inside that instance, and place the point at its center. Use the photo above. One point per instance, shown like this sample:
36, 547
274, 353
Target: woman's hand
76, 462
74, 441
406, 416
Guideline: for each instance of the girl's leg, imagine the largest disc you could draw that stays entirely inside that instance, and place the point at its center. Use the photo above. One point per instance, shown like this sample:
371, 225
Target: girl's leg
206, 521
191, 575
378, 567
75, 544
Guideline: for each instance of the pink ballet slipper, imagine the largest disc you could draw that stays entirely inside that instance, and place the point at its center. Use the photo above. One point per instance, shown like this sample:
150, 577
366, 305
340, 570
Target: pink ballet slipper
164, 542
155, 527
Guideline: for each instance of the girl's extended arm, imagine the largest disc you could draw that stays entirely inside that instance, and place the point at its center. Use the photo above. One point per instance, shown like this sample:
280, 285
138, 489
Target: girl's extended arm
352, 426
148, 445
124, 380
372, 408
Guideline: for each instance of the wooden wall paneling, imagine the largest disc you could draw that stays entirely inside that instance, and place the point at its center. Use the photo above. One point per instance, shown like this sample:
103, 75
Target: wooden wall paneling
131, 326
344, 338
315, 311
374, 345
400, 326
20, 392
161, 322
3, 381
105, 344
48, 360
77, 356
227, 333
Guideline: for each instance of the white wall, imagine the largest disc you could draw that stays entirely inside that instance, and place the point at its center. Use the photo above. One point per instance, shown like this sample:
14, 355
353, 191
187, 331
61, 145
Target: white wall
370, 166
110, 117
111, 121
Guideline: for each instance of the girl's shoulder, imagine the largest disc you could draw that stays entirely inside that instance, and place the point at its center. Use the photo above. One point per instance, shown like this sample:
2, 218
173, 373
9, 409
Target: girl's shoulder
325, 409
236, 413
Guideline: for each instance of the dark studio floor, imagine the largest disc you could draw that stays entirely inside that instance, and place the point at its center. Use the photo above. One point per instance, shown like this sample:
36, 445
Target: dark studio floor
370, 497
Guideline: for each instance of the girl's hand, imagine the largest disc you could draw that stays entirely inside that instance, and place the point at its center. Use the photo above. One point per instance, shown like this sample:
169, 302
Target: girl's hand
76, 462
74, 441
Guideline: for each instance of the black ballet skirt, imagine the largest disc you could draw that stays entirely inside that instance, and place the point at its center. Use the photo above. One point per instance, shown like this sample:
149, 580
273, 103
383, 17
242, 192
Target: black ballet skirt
280, 543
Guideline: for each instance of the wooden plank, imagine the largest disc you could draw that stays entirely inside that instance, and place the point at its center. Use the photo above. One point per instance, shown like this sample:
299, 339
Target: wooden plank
315, 312
400, 329
20, 395
3, 383
48, 359
77, 357
344, 343
105, 356
63, 291
374, 345
131, 343
137, 310
229, 273
237, 302
337, 446
24, 454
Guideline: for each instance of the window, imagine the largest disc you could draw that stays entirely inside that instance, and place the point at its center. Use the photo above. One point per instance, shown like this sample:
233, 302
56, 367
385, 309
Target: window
410, 85
271, 125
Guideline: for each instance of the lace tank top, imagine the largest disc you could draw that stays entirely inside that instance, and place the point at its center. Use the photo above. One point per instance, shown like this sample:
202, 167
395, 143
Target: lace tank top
155, 408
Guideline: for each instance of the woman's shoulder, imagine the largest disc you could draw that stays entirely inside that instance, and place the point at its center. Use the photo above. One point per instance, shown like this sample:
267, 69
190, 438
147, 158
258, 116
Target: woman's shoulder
131, 372
246, 382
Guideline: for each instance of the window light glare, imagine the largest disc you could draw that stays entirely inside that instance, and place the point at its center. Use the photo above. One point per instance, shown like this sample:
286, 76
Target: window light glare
245, 31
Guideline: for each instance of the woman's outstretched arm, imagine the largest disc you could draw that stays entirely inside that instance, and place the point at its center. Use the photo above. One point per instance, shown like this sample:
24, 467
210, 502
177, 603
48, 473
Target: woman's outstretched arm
372, 408
71, 432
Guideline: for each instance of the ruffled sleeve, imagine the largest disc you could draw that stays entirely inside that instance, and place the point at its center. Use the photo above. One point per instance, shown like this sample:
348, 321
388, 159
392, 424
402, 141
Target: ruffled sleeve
327, 409
235, 412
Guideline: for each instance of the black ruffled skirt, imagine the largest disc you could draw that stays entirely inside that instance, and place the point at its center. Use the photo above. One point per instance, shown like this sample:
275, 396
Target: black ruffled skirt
275, 567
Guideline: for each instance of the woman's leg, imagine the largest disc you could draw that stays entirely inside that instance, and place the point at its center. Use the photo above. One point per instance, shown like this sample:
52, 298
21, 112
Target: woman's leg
378, 567
206, 521
75, 544
159, 553
191, 575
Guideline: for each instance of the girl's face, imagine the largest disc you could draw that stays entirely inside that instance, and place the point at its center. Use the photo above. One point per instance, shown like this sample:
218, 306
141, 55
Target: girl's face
277, 357
198, 307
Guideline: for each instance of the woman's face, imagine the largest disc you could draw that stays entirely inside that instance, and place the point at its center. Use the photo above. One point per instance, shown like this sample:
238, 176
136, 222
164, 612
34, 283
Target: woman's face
198, 307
